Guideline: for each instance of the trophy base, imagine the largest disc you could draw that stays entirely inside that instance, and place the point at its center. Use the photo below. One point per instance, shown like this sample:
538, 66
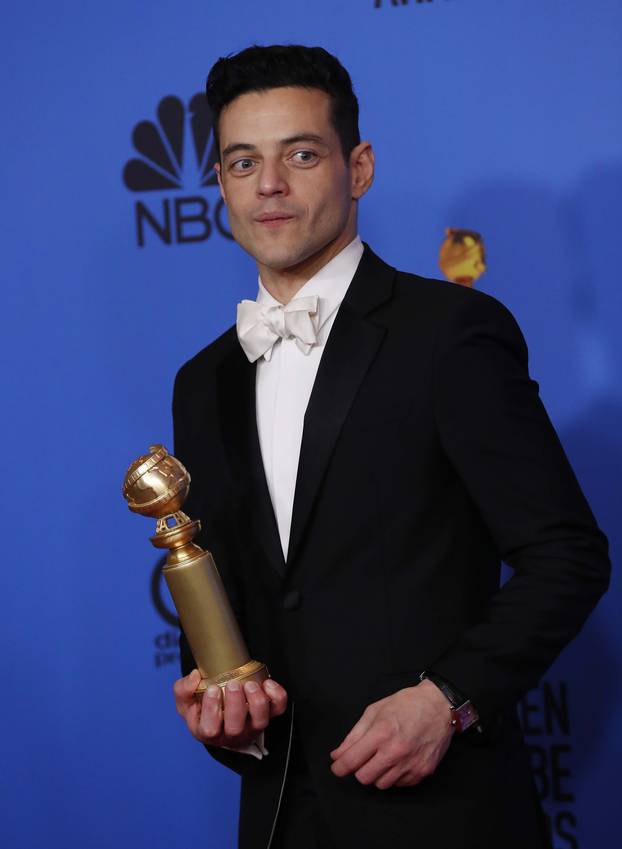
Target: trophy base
251, 671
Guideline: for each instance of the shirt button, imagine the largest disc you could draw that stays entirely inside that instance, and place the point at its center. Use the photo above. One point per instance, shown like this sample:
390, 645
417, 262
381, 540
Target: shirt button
291, 600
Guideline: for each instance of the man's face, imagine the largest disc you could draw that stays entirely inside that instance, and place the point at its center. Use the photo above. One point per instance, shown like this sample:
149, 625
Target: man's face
288, 190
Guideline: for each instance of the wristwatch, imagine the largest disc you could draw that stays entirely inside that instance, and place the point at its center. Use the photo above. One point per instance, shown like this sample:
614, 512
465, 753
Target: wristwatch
463, 712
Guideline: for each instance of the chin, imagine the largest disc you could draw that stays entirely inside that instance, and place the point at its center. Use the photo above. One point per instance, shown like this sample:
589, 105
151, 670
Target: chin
280, 260
271, 255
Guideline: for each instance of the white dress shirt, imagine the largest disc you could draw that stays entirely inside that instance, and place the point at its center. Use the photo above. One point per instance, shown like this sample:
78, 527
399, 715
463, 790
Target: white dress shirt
285, 380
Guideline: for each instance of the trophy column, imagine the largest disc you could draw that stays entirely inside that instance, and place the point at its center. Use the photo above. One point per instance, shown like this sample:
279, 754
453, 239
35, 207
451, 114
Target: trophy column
157, 485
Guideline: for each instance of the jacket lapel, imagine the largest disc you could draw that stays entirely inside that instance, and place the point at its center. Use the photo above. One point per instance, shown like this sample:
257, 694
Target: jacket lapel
236, 392
350, 350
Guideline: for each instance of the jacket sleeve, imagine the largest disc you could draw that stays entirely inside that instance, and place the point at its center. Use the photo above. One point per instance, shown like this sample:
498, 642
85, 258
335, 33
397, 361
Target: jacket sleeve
499, 438
216, 534
215, 537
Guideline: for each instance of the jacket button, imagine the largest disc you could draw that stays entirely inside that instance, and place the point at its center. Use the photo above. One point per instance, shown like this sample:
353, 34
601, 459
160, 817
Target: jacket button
291, 600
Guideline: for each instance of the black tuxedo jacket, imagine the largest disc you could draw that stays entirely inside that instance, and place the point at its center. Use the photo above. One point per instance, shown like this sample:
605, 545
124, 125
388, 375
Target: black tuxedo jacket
427, 458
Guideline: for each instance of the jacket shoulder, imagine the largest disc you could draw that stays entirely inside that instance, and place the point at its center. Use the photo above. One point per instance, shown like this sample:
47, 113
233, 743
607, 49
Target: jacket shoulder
440, 299
444, 296
209, 358
453, 315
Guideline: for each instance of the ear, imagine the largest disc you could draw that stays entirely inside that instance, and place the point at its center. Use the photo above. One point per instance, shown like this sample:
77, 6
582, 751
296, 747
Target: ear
362, 163
220, 186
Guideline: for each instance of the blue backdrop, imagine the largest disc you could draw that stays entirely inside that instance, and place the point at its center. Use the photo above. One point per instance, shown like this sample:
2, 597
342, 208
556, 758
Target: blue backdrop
502, 116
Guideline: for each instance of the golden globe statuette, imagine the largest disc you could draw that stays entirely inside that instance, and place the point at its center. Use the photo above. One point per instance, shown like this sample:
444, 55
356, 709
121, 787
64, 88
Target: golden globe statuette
157, 485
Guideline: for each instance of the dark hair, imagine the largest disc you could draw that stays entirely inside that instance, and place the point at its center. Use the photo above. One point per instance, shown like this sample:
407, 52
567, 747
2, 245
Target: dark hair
263, 68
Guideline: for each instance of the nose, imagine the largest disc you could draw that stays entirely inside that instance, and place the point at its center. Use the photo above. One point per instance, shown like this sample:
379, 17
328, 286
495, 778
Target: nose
272, 179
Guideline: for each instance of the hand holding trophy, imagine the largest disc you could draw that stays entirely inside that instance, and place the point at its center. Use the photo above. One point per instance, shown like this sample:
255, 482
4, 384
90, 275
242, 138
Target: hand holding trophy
157, 485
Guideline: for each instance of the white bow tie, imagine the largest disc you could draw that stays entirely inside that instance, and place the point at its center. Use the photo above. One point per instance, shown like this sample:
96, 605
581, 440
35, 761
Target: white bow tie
260, 325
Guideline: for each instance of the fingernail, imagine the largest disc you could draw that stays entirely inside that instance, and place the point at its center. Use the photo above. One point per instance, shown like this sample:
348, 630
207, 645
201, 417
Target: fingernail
213, 691
271, 685
251, 687
233, 686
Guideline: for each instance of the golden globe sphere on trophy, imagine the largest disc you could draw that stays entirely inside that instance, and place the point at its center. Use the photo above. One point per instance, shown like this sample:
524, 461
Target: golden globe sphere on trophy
157, 485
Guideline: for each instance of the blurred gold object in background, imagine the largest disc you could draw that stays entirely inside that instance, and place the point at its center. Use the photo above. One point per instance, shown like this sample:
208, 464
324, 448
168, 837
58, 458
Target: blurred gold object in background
462, 257
157, 485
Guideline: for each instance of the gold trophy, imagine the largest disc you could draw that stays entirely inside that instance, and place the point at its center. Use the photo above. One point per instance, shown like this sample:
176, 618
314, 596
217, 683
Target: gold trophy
157, 485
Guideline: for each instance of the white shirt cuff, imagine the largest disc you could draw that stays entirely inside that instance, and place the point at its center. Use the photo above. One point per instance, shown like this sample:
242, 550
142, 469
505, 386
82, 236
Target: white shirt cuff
256, 748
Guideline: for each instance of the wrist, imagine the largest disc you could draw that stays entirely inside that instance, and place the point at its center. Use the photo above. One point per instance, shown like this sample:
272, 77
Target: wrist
463, 713
434, 694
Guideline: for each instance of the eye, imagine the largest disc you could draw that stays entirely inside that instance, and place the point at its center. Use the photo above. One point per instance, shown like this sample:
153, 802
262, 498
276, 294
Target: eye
242, 164
304, 157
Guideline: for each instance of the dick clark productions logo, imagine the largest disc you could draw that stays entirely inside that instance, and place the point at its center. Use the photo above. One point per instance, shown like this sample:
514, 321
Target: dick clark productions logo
176, 154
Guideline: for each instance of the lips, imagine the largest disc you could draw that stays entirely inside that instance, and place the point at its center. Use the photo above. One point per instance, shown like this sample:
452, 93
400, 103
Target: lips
267, 217
273, 220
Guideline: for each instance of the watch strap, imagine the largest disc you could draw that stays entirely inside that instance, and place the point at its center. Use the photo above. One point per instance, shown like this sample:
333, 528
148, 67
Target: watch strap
463, 712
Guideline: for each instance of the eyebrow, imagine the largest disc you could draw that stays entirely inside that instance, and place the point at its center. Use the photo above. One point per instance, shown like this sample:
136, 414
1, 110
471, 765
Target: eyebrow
299, 137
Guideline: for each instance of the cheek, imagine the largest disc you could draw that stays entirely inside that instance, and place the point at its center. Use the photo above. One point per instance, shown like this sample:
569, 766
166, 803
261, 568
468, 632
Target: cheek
237, 194
339, 196
331, 206
238, 217
336, 215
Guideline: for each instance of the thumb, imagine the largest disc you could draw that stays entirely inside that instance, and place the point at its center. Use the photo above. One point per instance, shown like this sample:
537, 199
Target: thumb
192, 681
184, 688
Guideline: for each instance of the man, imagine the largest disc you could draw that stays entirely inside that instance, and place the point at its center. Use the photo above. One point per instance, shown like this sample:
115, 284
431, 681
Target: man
365, 447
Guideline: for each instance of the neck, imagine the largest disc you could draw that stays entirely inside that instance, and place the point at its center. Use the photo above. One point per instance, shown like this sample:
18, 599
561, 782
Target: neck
283, 284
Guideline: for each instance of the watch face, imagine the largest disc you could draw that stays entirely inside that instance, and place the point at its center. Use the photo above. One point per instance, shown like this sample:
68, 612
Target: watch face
464, 716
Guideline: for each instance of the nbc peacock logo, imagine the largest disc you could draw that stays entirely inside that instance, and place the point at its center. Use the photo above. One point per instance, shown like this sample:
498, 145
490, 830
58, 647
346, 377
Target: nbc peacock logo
175, 164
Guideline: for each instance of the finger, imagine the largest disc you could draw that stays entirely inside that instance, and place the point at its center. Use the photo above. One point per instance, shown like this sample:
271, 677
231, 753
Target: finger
409, 779
258, 706
192, 717
356, 755
277, 696
417, 772
183, 690
235, 710
210, 719
357, 732
391, 778
375, 768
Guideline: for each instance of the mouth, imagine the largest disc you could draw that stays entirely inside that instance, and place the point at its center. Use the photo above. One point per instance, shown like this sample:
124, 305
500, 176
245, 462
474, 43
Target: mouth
273, 220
